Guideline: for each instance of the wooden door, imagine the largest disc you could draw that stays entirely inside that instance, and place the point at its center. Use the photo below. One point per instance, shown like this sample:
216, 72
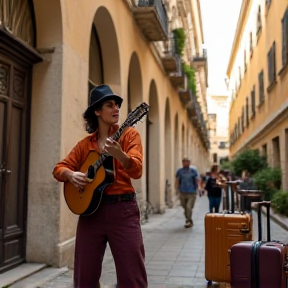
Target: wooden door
14, 102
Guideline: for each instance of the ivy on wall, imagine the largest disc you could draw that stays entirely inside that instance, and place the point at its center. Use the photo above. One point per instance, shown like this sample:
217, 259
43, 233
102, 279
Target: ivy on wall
180, 38
190, 73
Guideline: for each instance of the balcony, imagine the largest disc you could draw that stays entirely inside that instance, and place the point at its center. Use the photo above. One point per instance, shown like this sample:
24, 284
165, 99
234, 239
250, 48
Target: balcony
151, 17
178, 79
170, 58
185, 96
200, 59
197, 119
193, 109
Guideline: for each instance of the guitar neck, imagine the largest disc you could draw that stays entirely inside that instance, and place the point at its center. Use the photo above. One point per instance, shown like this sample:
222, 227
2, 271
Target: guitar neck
104, 155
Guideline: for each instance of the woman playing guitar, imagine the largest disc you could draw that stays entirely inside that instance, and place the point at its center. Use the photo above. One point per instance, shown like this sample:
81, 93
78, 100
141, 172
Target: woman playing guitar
117, 219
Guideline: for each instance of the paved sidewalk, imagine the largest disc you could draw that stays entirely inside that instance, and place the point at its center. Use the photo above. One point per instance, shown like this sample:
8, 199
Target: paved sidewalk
174, 255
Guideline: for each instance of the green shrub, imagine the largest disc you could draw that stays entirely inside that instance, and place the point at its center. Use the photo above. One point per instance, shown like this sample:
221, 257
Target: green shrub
226, 165
190, 73
279, 202
269, 181
250, 161
180, 38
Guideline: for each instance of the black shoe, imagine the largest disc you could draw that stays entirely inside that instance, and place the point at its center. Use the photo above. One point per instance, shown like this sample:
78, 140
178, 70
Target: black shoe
188, 224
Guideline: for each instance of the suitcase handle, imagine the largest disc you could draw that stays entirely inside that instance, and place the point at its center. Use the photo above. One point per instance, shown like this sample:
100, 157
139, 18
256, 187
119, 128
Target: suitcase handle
267, 205
229, 188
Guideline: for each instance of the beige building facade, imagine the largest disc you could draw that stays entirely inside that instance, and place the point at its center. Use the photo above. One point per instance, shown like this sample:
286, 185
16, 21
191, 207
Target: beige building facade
218, 115
258, 82
52, 52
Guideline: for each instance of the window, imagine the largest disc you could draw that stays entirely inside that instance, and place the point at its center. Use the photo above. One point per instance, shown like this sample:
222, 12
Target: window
215, 156
261, 87
259, 23
285, 39
240, 78
239, 125
247, 111
242, 119
253, 102
276, 152
264, 150
271, 65
251, 44
267, 6
223, 144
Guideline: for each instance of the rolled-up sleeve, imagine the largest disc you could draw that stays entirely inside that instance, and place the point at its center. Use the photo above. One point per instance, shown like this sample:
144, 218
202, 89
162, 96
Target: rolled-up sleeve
132, 146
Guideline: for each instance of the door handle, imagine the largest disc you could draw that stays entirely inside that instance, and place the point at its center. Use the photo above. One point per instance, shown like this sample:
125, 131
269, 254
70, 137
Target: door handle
5, 171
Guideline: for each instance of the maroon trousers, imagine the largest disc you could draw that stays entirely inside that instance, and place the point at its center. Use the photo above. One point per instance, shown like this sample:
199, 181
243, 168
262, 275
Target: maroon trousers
119, 224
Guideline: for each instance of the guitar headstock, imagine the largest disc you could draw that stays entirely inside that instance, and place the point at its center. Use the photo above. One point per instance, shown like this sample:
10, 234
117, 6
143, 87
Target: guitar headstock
137, 114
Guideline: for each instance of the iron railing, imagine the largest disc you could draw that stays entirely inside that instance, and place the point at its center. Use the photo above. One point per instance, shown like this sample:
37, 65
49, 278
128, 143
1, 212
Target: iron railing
161, 11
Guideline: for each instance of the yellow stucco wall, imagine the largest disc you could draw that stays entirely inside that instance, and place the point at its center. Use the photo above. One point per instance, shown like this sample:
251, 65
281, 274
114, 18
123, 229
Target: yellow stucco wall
60, 95
271, 117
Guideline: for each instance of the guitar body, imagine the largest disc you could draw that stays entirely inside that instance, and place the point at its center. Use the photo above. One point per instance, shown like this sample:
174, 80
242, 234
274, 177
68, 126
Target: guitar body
88, 201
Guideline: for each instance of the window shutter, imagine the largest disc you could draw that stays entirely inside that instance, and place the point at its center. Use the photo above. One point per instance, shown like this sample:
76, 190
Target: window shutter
274, 61
247, 111
285, 39
259, 85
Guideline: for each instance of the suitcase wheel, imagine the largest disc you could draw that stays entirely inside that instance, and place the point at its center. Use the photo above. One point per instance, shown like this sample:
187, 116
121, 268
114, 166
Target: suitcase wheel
209, 282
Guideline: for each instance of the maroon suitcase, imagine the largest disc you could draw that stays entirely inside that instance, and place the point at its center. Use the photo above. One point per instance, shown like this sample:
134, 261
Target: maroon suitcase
259, 264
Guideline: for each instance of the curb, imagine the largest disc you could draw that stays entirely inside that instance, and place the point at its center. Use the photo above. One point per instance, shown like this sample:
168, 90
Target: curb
278, 218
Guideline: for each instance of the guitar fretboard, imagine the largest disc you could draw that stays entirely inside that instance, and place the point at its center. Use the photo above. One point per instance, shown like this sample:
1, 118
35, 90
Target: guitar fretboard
104, 155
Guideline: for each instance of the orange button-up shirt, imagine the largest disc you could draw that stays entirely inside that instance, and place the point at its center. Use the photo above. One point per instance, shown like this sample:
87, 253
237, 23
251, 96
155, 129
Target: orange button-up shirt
130, 142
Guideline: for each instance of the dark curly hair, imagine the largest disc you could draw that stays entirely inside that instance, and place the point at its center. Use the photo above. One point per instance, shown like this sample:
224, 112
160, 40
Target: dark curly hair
91, 122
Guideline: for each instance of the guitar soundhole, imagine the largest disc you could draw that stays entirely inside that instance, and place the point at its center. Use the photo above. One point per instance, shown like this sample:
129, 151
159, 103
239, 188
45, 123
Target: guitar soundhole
90, 174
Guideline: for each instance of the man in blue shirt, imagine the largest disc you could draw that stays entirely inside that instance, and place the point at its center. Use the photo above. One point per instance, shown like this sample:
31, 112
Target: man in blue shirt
186, 185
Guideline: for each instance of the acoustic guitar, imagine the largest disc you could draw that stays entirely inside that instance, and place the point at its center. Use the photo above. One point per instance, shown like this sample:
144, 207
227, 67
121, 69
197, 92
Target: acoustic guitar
99, 169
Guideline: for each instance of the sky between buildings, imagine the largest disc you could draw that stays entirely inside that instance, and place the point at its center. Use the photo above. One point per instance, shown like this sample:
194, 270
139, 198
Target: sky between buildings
219, 19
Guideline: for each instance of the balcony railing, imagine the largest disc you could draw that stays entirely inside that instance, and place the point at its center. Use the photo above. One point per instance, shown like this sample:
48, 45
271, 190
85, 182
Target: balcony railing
197, 118
178, 79
152, 19
200, 58
169, 59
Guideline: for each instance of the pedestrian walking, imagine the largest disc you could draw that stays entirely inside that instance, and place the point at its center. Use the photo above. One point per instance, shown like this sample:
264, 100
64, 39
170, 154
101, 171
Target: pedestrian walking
214, 189
117, 220
186, 185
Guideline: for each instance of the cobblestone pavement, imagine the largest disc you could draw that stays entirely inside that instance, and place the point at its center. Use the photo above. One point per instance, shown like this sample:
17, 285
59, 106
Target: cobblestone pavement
174, 255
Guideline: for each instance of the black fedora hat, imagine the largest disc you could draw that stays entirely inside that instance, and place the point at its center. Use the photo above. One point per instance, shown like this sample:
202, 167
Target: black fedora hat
99, 95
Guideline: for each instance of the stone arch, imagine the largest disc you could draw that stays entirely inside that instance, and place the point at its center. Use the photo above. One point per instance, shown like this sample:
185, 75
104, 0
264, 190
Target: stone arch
135, 87
109, 48
153, 150
169, 179
134, 99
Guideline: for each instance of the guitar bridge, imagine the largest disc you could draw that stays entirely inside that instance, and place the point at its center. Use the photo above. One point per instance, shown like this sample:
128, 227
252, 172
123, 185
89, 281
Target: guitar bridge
90, 174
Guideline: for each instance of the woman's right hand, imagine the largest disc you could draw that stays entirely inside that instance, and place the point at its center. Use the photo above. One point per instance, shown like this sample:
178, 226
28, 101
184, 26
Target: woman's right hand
78, 179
